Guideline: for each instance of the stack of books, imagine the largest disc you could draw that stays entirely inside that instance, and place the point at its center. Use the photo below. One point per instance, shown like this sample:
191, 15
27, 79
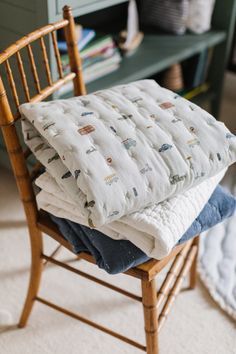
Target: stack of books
99, 55
84, 36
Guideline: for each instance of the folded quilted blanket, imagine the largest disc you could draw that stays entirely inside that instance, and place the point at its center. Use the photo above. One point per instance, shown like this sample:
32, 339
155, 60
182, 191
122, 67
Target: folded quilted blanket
116, 256
155, 230
117, 151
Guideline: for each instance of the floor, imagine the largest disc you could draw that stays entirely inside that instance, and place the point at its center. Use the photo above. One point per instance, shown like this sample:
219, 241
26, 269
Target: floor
195, 325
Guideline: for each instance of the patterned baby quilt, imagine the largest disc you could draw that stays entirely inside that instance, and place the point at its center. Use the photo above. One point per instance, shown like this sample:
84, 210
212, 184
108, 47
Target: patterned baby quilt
120, 150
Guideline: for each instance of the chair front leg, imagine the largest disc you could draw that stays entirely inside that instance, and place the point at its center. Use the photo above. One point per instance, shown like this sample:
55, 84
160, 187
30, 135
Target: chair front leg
35, 274
149, 300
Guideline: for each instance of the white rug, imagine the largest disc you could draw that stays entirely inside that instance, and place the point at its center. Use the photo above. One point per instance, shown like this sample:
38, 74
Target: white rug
217, 263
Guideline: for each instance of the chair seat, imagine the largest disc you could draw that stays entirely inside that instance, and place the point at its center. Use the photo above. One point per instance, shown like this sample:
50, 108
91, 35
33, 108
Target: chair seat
146, 270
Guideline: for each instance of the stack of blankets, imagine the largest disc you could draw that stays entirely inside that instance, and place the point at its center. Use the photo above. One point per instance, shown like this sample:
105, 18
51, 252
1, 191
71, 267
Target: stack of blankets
131, 171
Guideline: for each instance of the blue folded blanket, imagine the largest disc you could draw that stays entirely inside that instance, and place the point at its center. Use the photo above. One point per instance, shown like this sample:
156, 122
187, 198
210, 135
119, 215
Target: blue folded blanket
116, 256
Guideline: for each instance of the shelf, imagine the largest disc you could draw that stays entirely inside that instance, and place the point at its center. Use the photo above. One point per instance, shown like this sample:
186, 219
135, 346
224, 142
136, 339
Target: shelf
156, 53
82, 7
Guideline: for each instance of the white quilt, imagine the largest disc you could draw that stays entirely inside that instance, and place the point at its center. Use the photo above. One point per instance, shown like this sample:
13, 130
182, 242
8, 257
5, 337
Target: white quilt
155, 230
120, 150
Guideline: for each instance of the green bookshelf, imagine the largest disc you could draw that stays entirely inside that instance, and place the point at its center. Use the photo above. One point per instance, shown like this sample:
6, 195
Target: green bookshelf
156, 53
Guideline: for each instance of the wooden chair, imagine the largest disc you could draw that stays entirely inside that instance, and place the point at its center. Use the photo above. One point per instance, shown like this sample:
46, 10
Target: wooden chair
156, 304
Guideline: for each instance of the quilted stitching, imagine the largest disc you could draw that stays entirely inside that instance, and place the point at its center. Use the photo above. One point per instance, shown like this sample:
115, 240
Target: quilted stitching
155, 229
138, 140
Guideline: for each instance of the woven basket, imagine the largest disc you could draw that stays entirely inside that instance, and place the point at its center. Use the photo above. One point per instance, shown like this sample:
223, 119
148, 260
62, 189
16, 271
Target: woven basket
170, 15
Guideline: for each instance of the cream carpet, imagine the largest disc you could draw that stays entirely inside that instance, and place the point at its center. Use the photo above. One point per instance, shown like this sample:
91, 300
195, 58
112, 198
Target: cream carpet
195, 325
217, 257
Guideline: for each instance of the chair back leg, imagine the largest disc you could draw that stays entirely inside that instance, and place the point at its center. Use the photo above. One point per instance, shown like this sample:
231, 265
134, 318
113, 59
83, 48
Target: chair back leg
149, 300
193, 269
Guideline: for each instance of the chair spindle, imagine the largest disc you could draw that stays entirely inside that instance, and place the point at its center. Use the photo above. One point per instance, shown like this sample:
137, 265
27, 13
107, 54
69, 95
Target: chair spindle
23, 76
177, 286
57, 55
45, 61
171, 276
33, 68
12, 83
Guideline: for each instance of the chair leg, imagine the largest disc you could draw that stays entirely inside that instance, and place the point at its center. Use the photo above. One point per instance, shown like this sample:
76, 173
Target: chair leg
149, 300
35, 275
193, 269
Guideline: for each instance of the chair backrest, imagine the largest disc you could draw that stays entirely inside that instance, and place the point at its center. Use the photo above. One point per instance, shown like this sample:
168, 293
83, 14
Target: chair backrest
9, 115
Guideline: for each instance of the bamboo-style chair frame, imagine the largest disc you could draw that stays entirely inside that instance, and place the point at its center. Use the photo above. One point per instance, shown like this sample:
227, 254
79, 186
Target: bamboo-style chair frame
156, 304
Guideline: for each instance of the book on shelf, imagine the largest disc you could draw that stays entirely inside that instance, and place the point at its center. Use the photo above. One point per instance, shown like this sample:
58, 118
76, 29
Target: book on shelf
97, 46
196, 91
90, 76
92, 60
85, 37
99, 68
99, 58
102, 68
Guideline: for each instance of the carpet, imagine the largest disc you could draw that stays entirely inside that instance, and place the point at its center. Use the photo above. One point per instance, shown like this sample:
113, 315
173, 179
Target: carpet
195, 324
217, 261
